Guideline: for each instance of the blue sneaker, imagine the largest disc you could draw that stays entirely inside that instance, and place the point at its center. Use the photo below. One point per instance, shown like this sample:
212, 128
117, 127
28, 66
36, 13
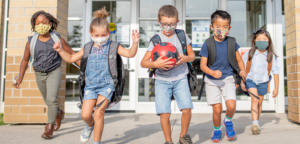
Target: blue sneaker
216, 137
230, 132
86, 133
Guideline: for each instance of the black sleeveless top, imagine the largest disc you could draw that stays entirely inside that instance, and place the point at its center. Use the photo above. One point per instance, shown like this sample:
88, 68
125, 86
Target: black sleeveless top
46, 59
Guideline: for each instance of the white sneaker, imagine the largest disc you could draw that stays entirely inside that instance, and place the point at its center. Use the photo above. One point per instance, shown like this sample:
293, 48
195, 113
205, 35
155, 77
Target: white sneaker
255, 129
86, 133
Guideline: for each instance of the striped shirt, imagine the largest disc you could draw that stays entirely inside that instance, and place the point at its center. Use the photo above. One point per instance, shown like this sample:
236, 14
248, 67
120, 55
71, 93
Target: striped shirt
259, 67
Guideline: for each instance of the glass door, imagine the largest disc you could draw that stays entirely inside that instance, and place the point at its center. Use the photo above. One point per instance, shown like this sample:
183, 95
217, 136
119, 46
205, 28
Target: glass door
120, 24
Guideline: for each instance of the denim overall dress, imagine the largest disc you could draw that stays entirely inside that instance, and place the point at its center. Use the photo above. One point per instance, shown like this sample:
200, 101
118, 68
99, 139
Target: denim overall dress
98, 78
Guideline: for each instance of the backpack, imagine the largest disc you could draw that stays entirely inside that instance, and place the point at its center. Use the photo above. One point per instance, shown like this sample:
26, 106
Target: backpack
33, 41
192, 75
116, 69
248, 67
212, 54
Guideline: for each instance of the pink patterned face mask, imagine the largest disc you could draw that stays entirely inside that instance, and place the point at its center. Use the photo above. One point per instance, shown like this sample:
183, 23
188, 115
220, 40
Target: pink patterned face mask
220, 34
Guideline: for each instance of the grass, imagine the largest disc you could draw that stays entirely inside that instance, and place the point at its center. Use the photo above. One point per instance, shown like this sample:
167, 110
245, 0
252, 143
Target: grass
1, 119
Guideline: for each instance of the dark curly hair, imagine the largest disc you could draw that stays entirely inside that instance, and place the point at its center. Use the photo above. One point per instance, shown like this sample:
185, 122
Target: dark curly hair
51, 19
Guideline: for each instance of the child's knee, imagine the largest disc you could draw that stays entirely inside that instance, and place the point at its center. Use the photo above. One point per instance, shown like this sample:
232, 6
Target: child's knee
85, 116
165, 116
186, 111
99, 114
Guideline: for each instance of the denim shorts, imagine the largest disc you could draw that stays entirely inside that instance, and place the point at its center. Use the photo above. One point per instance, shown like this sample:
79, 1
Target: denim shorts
103, 88
164, 91
262, 88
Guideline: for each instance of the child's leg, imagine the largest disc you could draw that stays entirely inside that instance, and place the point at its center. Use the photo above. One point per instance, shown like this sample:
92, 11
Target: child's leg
260, 105
254, 104
99, 117
217, 111
166, 126
185, 121
87, 111
231, 107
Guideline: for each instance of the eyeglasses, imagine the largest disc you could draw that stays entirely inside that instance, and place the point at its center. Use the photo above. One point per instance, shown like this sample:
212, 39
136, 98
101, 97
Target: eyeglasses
164, 25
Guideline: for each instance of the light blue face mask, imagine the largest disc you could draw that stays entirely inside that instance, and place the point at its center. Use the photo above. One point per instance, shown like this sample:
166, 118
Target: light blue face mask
262, 45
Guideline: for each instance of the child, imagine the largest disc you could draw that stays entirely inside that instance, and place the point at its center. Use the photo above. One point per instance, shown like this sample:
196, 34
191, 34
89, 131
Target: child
46, 64
174, 81
260, 60
219, 80
99, 86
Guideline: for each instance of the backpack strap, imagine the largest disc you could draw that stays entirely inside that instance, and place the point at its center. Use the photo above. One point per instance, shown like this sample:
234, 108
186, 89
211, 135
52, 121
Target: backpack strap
32, 45
86, 51
231, 44
212, 51
181, 36
112, 61
155, 39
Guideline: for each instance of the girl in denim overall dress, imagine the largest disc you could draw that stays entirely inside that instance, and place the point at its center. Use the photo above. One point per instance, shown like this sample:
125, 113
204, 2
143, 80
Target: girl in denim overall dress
99, 83
261, 60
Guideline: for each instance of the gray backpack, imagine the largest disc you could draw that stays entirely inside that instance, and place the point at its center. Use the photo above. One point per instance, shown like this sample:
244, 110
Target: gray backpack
116, 69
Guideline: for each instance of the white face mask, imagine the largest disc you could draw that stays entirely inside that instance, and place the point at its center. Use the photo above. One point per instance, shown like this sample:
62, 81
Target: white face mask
100, 41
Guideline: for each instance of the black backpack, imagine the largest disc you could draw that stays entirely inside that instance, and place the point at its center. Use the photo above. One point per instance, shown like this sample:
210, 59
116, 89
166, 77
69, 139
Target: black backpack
212, 54
116, 69
192, 75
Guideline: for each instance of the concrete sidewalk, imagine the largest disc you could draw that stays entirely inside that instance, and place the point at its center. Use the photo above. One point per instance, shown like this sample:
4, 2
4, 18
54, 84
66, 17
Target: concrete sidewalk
133, 128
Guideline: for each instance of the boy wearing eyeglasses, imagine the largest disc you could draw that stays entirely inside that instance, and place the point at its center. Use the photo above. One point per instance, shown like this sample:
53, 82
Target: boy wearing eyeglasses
171, 81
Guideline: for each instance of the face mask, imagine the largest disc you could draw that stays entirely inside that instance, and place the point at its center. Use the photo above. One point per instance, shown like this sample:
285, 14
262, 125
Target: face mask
167, 30
262, 45
220, 34
42, 29
100, 41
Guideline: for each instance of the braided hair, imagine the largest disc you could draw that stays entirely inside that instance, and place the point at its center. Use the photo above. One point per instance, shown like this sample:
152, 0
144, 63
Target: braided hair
51, 19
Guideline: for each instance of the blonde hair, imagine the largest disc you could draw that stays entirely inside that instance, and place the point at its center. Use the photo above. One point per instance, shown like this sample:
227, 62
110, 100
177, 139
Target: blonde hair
99, 19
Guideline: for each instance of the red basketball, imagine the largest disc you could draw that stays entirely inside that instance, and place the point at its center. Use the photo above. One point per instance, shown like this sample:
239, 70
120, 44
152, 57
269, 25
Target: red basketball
166, 49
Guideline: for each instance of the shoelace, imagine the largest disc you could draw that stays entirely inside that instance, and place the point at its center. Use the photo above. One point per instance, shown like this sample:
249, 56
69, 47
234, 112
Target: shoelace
229, 126
217, 133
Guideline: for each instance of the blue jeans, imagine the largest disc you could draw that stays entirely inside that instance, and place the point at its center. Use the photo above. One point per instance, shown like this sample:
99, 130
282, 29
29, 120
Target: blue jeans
262, 88
164, 91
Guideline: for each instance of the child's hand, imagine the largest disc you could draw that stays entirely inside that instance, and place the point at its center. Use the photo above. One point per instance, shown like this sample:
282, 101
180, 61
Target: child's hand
243, 86
57, 47
216, 74
163, 64
182, 59
135, 36
275, 93
243, 74
17, 84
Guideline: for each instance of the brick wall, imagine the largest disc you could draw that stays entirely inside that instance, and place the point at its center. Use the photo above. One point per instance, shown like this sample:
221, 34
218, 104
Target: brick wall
292, 25
26, 105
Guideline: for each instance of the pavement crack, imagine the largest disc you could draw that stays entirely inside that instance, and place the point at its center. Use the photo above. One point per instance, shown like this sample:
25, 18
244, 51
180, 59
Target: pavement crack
174, 123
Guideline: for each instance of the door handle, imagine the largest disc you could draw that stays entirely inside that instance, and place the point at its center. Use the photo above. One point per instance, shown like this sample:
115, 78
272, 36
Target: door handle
130, 70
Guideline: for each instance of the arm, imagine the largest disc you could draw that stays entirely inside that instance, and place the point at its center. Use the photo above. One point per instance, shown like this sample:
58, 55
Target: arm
67, 56
68, 49
130, 53
207, 70
241, 64
23, 65
189, 58
159, 63
276, 80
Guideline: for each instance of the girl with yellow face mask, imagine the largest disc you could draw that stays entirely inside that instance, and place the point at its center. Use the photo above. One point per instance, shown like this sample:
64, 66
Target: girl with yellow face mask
47, 67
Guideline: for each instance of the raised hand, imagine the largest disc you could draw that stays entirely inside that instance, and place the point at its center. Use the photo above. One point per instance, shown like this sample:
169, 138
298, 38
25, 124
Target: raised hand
57, 47
135, 36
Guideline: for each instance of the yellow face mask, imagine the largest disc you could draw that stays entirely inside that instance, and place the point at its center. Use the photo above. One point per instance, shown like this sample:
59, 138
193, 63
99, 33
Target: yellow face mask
42, 28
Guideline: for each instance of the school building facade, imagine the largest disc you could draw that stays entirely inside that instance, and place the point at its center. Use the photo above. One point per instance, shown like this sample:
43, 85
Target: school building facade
25, 105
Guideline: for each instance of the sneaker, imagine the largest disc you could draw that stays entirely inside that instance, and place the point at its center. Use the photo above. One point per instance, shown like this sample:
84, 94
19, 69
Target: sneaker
86, 133
169, 143
230, 132
185, 139
255, 129
216, 137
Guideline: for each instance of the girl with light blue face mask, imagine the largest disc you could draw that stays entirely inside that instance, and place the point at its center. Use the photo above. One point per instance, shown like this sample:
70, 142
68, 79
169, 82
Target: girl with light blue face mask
260, 62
